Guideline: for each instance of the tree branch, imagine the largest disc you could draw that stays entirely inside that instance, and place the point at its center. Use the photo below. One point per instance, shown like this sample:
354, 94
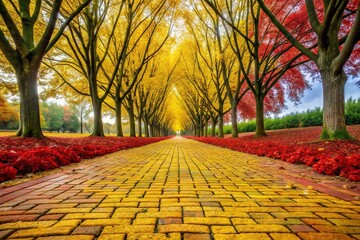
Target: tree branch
64, 25
351, 40
313, 19
287, 34
14, 31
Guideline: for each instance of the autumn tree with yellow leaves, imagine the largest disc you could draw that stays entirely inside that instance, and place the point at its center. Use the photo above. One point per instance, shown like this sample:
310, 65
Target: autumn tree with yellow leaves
24, 46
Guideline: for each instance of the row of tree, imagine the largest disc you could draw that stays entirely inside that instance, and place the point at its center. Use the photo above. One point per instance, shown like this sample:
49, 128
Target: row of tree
252, 52
172, 64
110, 51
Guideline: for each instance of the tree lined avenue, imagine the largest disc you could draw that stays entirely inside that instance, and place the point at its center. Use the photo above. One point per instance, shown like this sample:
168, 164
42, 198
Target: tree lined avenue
163, 66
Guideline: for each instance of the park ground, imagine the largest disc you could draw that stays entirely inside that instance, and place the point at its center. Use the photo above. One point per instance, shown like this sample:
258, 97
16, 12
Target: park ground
181, 189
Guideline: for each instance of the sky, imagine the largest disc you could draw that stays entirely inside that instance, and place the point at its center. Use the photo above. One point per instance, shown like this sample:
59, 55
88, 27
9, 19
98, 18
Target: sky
313, 97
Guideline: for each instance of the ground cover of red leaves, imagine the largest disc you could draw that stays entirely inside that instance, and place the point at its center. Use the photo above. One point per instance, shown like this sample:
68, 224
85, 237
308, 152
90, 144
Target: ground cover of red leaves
300, 146
30, 155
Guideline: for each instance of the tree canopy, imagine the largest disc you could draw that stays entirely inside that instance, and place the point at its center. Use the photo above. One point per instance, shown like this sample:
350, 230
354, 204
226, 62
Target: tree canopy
162, 66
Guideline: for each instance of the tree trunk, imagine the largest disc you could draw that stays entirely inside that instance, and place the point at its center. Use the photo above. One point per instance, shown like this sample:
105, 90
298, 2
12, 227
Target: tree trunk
201, 125
260, 123
234, 127
221, 126
334, 126
156, 131
213, 128
146, 127
151, 130
29, 102
81, 123
197, 126
119, 131
206, 127
139, 127
98, 124
131, 118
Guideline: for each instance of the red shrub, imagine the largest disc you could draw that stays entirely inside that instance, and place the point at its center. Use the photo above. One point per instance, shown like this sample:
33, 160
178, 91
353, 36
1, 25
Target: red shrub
7, 172
7, 156
330, 166
35, 161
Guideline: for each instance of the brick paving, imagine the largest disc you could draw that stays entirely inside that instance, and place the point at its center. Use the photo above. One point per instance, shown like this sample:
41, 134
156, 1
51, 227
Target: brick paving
180, 189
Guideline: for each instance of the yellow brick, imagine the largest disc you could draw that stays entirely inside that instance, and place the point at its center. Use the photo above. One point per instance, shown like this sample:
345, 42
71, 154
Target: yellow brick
70, 210
153, 236
324, 236
329, 215
207, 221
128, 229
337, 229
77, 237
286, 204
118, 204
242, 236
261, 215
180, 204
86, 215
25, 238
212, 209
144, 221
294, 215
112, 237
21, 225
319, 209
67, 223
193, 209
314, 221
129, 214
254, 209
345, 222
261, 228
245, 221
352, 216
226, 214
159, 215
103, 210
149, 204
195, 200
189, 228
239, 204
311, 200
38, 232
223, 229
106, 222
284, 236
279, 221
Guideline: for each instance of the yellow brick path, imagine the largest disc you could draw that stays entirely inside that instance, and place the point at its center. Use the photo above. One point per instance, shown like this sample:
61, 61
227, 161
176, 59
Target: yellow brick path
175, 189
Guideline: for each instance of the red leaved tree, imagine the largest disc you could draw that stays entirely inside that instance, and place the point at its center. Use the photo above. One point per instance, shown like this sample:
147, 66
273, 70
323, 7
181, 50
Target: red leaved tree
336, 27
269, 53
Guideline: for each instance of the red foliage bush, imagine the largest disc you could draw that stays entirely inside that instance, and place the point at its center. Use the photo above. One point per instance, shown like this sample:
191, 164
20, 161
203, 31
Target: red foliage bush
298, 146
7, 156
35, 161
7, 172
25, 155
